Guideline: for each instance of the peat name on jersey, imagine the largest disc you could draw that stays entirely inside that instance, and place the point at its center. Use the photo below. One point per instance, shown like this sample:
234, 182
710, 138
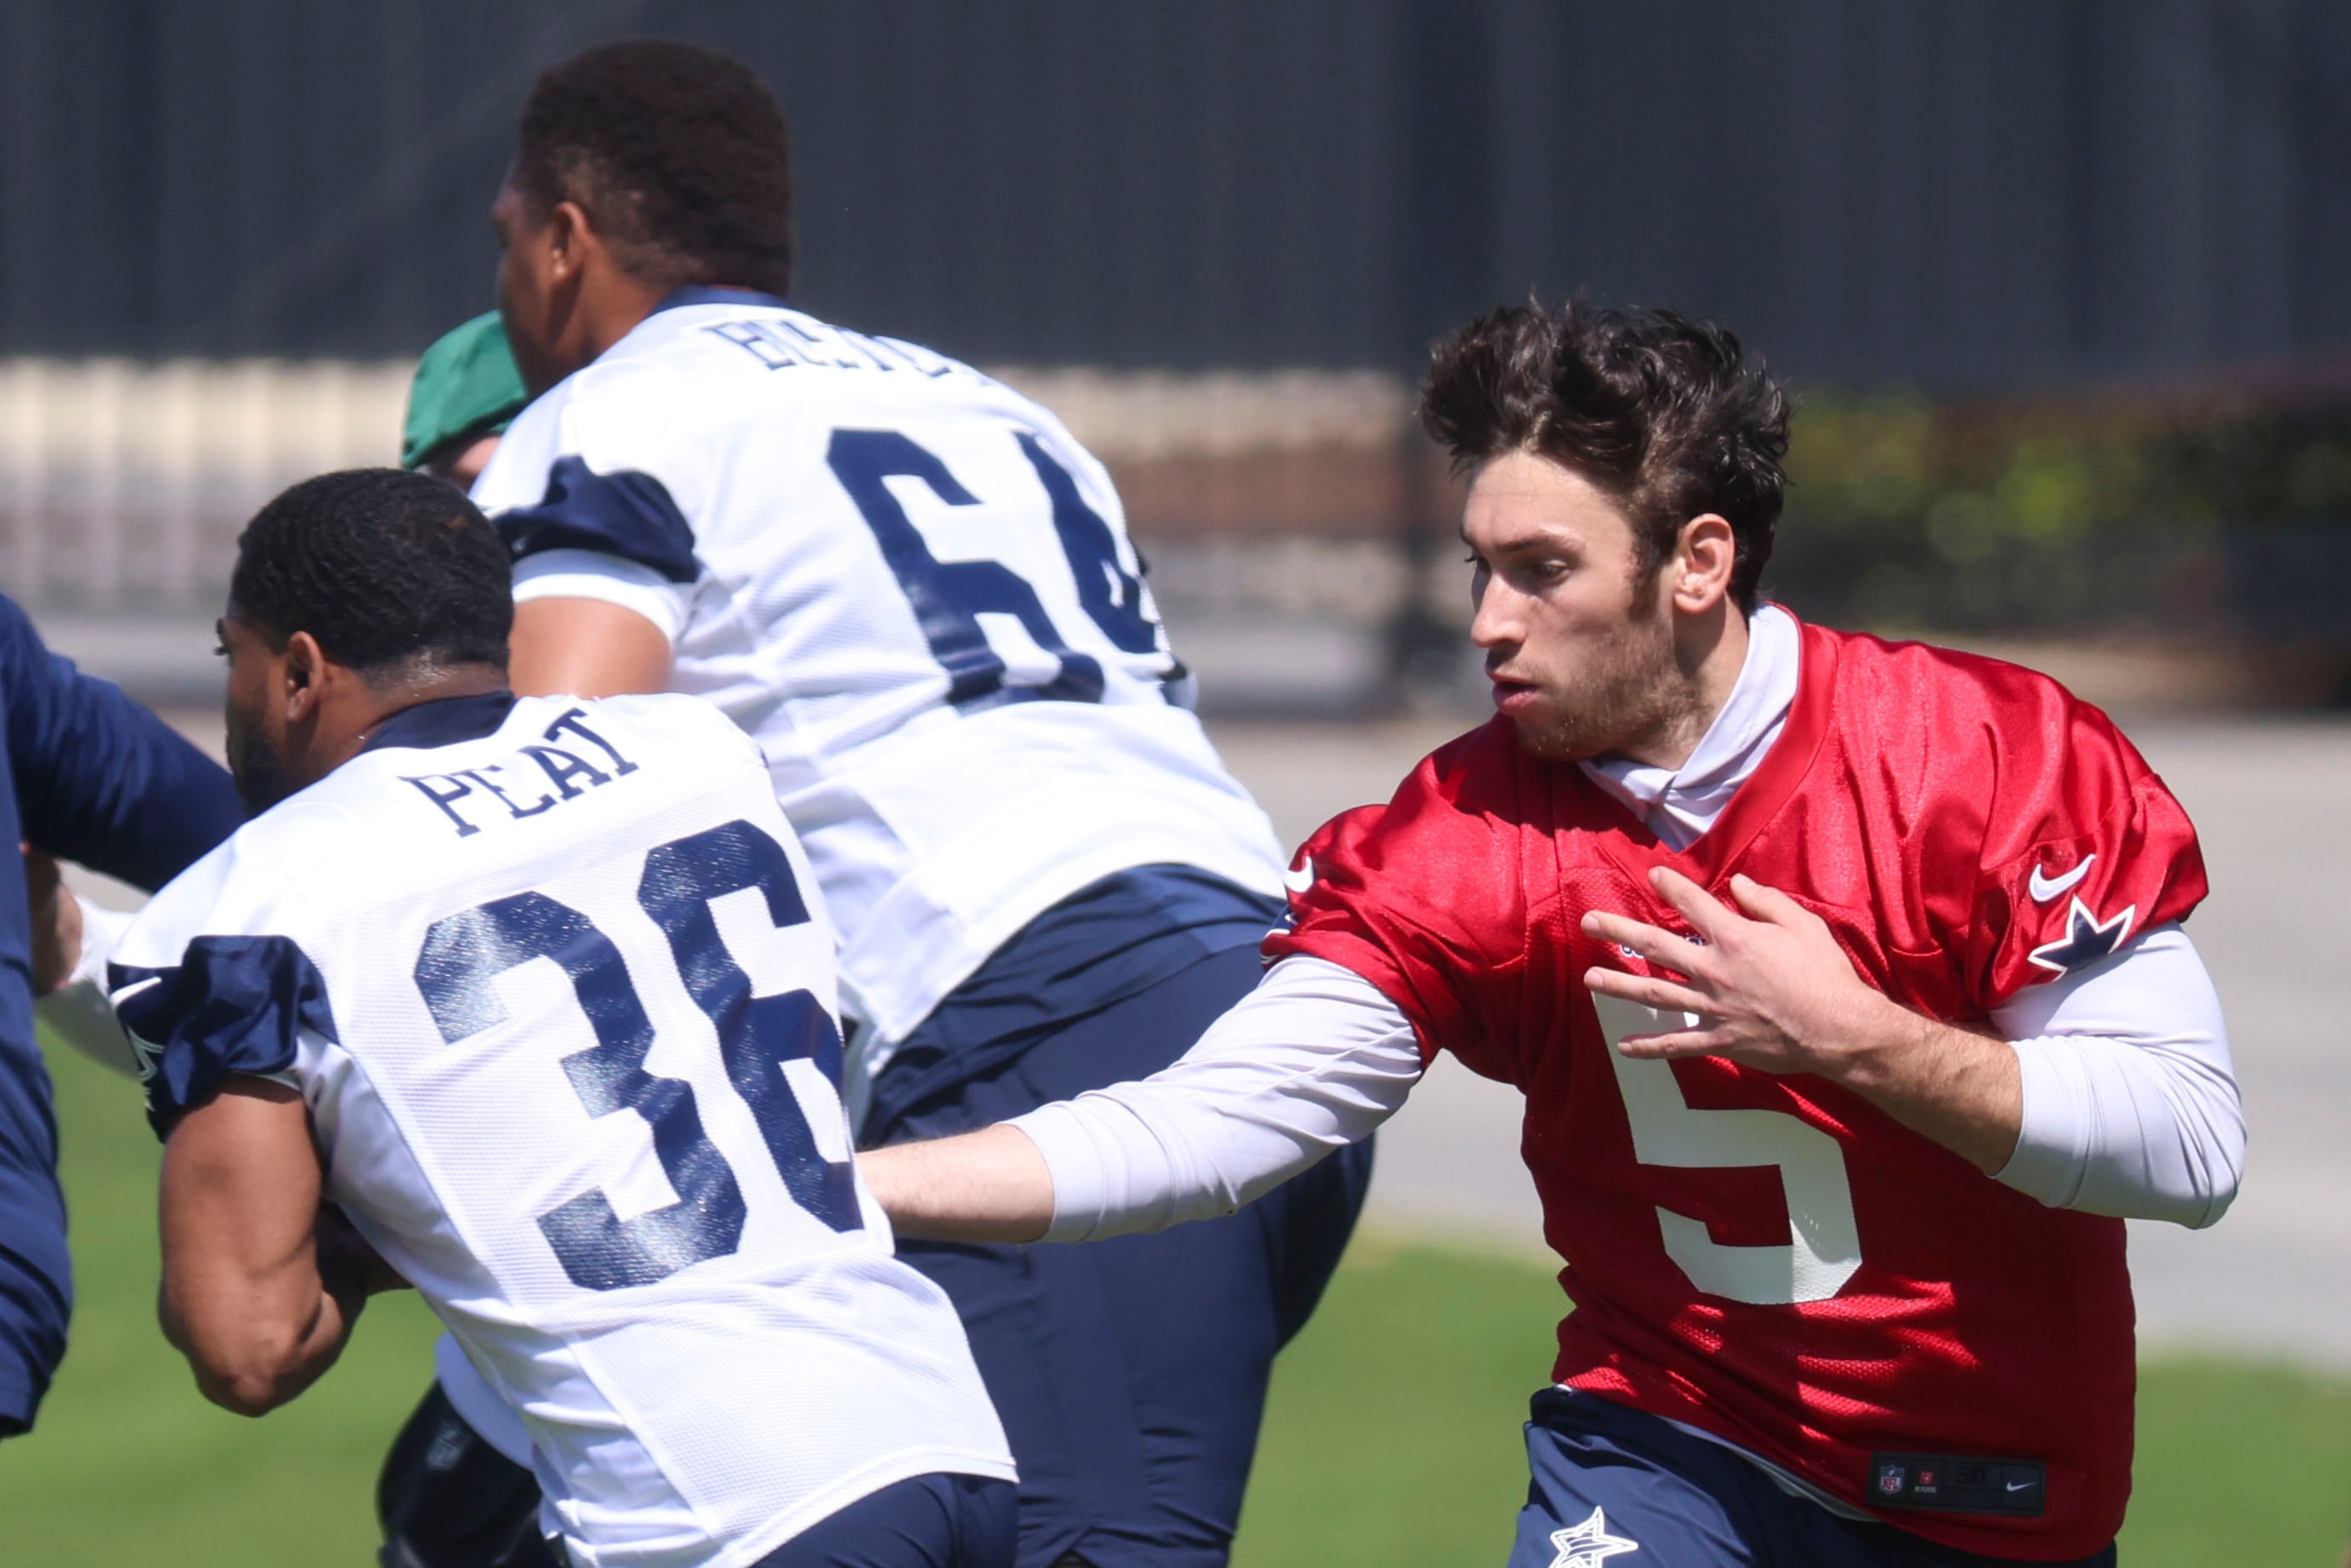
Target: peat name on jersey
543, 769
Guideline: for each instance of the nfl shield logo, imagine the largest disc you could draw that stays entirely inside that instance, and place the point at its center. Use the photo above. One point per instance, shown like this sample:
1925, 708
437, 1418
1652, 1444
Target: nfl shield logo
1889, 1480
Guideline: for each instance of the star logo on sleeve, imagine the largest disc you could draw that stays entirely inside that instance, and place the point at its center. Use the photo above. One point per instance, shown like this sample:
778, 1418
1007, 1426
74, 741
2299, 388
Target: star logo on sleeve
146, 1055
1589, 1544
2088, 939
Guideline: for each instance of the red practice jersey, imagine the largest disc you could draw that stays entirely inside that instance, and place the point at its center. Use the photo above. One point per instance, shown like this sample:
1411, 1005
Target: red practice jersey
1770, 1258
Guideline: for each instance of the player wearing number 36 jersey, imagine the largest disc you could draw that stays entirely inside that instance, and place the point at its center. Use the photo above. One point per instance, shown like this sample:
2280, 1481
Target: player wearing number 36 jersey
550, 986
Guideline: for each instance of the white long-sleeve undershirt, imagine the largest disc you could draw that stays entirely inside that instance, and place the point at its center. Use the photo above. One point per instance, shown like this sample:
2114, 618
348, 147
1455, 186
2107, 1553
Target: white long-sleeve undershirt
2130, 1108
1312, 1060
2131, 1103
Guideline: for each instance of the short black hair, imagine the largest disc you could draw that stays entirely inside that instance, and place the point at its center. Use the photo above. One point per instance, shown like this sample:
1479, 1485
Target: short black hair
677, 153
386, 568
1667, 415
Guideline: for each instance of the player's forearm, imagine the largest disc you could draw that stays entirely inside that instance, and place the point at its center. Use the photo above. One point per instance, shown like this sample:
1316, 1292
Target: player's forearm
249, 1356
1314, 1058
243, 1298
989, 1185
1961, 1090
255, 1334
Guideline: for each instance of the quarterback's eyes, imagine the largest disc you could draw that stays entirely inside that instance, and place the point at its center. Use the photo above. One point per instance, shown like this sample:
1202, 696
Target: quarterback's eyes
1527, 574
1522, 570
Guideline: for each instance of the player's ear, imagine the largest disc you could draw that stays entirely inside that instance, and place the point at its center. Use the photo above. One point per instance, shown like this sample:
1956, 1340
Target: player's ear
1702, 562
305, 663
568, 237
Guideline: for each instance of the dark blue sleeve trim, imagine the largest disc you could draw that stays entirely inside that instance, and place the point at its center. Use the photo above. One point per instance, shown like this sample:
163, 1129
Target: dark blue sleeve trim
231, 1004
627, 514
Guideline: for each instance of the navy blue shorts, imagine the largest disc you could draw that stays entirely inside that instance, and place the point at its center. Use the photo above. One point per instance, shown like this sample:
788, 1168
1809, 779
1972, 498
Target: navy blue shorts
448, 1499
1131, 1373
1610, 1481
928, 1522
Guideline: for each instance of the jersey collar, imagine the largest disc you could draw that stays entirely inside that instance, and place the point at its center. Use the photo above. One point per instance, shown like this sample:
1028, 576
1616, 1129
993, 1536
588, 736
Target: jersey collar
444, 721
1685, 803
1758, 800
717, 294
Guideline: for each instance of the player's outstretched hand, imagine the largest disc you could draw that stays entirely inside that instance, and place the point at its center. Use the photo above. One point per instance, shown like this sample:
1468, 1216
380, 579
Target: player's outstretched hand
1767, 982
57, 921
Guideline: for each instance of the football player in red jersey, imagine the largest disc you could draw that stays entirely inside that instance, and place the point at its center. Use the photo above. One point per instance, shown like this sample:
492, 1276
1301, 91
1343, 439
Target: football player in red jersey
1844, 981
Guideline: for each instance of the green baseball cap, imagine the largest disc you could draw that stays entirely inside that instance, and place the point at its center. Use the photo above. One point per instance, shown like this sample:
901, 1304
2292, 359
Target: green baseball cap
466, 385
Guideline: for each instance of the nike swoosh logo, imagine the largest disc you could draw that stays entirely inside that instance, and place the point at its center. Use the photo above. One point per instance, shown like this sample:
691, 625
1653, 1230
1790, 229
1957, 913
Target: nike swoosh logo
1299, 877
2023, 1486
2044, 888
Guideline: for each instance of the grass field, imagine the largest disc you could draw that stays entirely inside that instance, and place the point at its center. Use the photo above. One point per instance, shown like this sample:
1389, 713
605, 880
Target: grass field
1392, 1442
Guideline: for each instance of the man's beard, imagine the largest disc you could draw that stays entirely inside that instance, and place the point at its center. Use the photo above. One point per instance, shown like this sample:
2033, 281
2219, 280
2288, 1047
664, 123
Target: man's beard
260, 777
1626, 692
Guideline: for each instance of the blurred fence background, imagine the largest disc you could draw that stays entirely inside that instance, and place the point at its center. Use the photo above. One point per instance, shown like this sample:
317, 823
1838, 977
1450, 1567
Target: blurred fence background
1297, 526
2058, 281
1282, 513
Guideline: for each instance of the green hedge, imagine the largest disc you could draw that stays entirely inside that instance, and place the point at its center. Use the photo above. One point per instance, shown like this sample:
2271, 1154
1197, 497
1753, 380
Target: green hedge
2209, 515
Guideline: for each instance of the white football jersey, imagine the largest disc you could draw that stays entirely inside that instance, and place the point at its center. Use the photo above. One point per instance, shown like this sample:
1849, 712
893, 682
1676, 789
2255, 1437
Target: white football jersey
559, 990
916, 591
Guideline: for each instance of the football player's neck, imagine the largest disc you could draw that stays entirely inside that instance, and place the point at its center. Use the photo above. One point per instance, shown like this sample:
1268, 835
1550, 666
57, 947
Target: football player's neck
432, 684
607, 305
1709, 649
613, 305
349, 707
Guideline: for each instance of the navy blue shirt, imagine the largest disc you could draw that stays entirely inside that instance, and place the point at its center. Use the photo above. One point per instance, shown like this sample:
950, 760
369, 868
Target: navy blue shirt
91, 777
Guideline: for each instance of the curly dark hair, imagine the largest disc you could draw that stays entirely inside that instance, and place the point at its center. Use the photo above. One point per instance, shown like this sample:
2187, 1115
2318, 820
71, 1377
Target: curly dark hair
1667, 415
385, 567
677, 153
